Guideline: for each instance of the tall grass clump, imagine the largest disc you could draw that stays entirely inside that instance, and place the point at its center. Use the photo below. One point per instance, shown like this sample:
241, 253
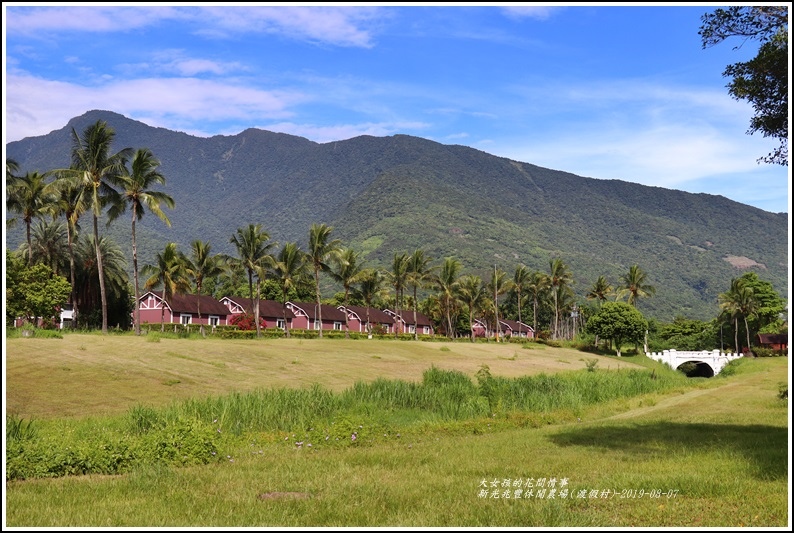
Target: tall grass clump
263, 409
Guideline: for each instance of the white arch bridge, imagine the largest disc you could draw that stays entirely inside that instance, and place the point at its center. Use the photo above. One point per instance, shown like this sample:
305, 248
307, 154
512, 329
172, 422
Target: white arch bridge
709, 363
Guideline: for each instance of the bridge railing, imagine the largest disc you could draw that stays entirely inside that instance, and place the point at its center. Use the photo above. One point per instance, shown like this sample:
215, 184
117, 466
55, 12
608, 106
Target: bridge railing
715, 358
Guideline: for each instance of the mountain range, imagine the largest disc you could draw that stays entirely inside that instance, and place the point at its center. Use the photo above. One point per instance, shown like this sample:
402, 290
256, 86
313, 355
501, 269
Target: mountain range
387, 195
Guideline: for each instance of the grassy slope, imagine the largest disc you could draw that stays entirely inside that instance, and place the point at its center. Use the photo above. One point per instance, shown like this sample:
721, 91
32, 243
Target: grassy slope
722, 445
82, 375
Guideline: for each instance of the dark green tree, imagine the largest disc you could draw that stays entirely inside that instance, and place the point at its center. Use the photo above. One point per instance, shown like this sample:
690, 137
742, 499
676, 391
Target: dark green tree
322, 251
762, 81
618, 322
33, 292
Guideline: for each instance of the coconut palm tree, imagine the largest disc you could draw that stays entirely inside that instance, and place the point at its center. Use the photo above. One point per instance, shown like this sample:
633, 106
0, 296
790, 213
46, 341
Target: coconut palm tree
600, 291
290, 270
136, 191
169, 273
446, 283
72, 203
48, 245
253, 250
202, 265
322, 251
348, 271
472, 293
32, 197
399, 279
419, 275
116, 281
371, 286
537, 288
634, 286
521, 278
739, 301
499, 284
559, 276
94, 168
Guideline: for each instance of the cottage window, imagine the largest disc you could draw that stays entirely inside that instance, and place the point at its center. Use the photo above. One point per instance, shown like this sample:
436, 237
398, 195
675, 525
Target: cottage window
426, 330
411, 329
280, 323
338, 326
214, 320
317, 324
185, 319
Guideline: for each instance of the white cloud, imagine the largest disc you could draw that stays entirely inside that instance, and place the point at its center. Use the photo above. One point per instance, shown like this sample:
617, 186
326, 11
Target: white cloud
337, 25
338, 132
201, 100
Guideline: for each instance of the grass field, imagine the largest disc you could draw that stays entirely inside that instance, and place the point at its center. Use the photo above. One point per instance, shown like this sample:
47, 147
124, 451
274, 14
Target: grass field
710, 452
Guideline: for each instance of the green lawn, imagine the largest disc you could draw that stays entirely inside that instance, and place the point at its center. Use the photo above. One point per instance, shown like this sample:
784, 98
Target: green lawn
713, 452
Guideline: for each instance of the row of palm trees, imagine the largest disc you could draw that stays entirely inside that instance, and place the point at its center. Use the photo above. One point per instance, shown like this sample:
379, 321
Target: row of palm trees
97, 181
100, 181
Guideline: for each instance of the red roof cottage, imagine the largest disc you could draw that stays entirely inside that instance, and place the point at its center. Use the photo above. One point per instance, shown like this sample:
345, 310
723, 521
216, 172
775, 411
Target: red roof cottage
271, 311
404, 320
357, 319
306, 316
182, 309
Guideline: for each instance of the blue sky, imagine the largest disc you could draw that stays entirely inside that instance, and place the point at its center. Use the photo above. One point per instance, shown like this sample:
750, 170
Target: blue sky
602, 91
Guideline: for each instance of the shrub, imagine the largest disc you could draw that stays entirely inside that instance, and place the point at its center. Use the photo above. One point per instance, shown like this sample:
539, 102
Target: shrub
246, 322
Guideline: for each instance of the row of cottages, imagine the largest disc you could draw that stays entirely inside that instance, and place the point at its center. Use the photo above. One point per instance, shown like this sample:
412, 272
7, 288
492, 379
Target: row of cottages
507, 328
184, 309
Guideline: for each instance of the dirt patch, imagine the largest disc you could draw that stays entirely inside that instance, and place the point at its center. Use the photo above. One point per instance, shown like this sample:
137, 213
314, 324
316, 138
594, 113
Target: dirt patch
283, 496
742, 262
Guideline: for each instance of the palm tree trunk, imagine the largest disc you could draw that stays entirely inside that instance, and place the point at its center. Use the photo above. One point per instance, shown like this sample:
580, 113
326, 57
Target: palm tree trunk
198, 309
256, 310
284, 312
416, 329
347, 321
518, 293
137, 314
101, 271
72, 274
747, 329
736, 335
30, 243
319, 315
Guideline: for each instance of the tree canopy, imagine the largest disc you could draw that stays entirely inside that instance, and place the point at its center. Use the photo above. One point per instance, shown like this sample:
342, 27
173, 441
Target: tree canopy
762, 81
618, 322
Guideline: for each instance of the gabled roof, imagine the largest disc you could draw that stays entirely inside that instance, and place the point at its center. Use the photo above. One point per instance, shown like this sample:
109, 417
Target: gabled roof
188, 303
514, 325
407, 316
267, 308
773, 338
329, 312
376, 316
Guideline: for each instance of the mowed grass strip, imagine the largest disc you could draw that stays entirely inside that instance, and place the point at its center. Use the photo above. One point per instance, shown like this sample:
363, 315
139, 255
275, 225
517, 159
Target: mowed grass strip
713, 456
86, 375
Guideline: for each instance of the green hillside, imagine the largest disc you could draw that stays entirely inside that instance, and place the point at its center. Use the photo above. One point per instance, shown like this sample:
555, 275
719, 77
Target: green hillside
394, 194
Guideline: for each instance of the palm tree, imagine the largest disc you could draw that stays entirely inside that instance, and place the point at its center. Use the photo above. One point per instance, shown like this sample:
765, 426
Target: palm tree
372, 285
600, 291
419, 273
169, 273
559, 277
499, 284
446, 284
322, 250
12, 167
71, 202
290, 270
136, 191
32, 197
521, 278
471, 293
199, 267
116, 281
348, 271
634, 286
537, 287
399, 278
739, 301
253, 250
94, 168
48, 245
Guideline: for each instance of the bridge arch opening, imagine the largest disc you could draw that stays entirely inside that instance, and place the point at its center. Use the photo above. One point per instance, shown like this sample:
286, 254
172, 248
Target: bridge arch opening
696, 369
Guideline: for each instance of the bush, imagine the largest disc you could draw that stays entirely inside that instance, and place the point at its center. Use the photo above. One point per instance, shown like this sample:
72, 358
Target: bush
768, 352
